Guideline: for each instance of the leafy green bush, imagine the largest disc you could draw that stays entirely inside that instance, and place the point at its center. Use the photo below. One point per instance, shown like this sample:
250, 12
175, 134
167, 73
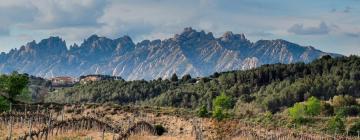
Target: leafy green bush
312, 106
218, 113
223, 101
220, 104
354, 129
202, 112
4, 104
297, 113
336, 125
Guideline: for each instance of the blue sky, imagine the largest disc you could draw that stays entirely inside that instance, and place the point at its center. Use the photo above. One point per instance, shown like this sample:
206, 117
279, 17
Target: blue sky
329, 25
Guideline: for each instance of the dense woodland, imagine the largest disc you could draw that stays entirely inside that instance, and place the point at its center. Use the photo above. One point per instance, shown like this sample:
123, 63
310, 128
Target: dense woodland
267, 88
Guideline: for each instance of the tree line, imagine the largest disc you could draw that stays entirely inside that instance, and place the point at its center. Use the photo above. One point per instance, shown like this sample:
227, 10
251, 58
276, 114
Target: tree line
271, 87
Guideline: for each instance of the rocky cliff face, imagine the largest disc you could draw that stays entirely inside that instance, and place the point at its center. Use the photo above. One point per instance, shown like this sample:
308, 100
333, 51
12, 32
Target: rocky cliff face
190, 52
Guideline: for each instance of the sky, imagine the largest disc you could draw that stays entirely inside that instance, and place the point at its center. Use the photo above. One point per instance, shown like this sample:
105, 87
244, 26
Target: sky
328, 25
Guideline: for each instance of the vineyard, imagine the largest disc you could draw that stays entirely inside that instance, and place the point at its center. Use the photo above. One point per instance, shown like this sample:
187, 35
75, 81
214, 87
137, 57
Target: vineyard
49, 121
43, 123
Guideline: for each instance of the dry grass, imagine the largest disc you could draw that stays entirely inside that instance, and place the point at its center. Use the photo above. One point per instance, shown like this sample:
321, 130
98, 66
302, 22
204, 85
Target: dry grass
18, 130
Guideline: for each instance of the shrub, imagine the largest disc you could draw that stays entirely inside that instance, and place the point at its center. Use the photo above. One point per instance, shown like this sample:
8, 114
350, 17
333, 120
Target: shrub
159, 129
218, 113
4, 104
174, 78
297, 113
336, 125
202, 112
222, 101
354, 129
186, 78
313, 106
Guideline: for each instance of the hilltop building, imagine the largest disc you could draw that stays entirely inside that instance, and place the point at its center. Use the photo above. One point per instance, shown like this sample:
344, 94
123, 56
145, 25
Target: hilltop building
62, 81
96, 77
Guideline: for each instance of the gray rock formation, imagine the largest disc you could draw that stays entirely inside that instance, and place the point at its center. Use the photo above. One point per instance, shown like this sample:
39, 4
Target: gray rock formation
191, 52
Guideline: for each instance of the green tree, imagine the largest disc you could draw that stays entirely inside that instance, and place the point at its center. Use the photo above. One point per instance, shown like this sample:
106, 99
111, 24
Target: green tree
174, 78
4, 104
312, 106
222, 101
297, 113
13, 85
202, 112
186, 78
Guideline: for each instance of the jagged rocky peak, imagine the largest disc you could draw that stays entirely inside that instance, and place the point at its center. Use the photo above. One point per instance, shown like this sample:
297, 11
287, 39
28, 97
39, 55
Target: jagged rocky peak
96, 43
125, 41
282, 42
32, 43
53, 45
143, 43
29, 46
147, 43
155, 42
286, 44
189, 33
53, 42
229, 36
93, 37
50, 45
90, 41
124, 44
200, 54
235, 41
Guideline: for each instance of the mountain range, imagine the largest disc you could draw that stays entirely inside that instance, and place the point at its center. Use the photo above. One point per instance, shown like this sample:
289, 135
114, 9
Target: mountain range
197, 53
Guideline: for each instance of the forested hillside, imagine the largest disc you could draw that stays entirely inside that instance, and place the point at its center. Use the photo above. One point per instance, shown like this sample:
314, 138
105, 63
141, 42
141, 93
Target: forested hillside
267, 88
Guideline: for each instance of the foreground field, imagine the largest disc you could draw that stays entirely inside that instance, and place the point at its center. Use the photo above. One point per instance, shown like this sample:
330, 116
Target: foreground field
118, 122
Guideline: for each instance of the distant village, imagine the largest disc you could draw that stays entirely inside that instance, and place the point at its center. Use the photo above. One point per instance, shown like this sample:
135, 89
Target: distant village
66, 81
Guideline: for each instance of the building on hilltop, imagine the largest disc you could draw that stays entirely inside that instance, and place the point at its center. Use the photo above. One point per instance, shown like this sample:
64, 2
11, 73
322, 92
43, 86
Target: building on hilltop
62, 81
96, 77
